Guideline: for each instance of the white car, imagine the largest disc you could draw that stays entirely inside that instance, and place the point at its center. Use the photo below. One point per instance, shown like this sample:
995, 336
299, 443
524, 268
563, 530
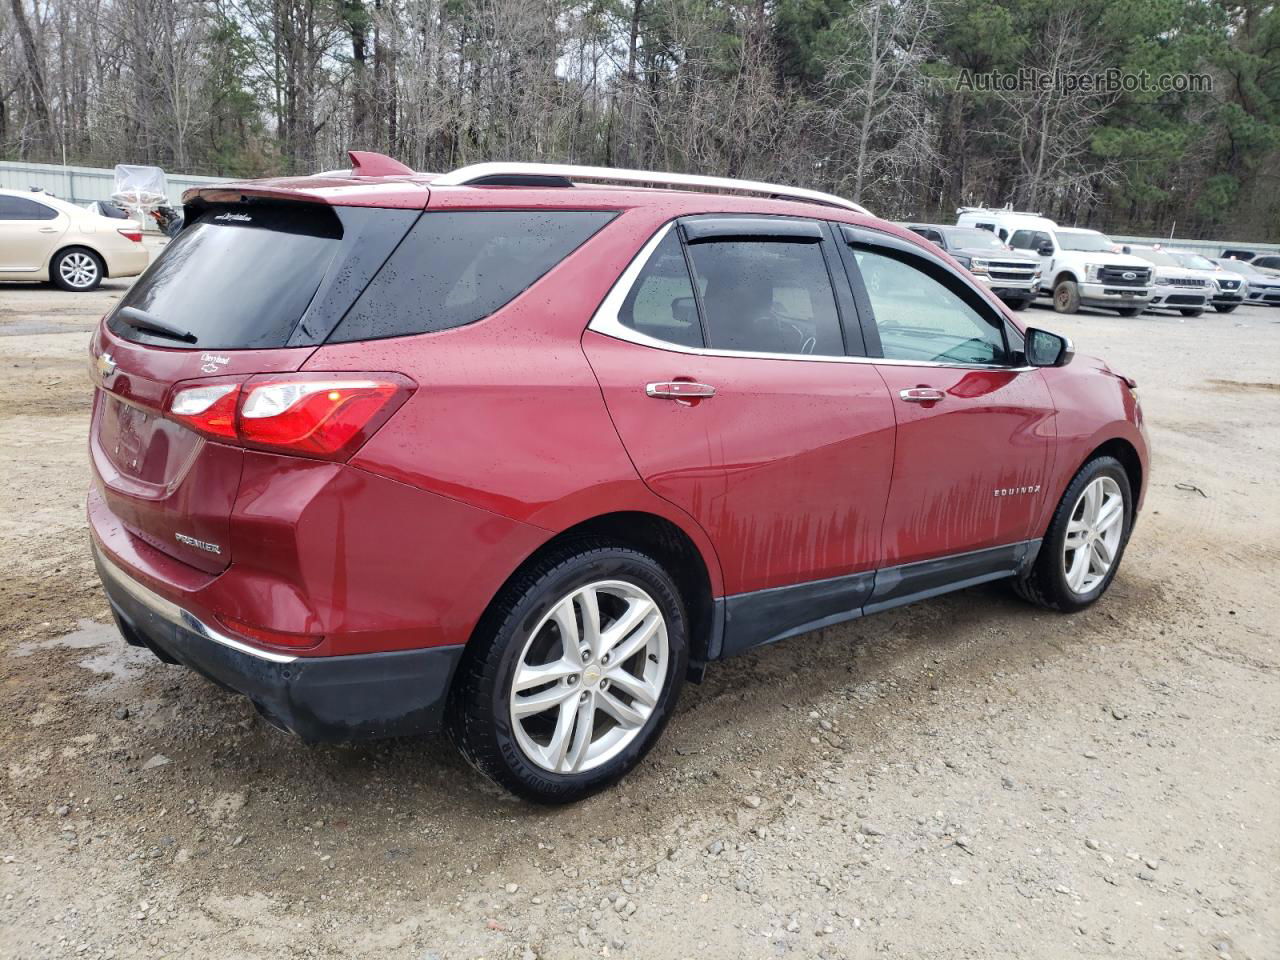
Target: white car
1229, 288
1180, 288
43, 238
1079, 268
1262, 288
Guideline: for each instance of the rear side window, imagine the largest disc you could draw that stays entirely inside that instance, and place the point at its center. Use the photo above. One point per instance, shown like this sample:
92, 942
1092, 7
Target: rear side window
238, 277
455, 268
661, 304
19, 208
767, 296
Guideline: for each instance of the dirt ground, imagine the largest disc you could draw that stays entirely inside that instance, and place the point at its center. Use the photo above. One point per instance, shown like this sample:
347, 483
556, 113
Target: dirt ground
965, 778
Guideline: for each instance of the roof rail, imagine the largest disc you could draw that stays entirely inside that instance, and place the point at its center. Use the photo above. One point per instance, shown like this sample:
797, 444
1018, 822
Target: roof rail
479, 173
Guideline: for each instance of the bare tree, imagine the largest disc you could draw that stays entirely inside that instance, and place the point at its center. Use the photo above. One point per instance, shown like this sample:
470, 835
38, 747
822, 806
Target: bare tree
1051, 124
873, 105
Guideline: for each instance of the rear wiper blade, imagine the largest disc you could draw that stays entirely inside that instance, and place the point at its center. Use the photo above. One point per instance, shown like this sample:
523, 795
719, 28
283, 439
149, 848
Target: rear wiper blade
141, 320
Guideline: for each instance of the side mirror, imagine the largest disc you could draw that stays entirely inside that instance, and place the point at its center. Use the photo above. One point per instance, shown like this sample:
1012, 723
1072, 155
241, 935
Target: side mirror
1045, 349
1045, 249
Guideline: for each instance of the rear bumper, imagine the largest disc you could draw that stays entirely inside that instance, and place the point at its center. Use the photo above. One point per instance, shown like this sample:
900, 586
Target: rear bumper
128, 262
321, 699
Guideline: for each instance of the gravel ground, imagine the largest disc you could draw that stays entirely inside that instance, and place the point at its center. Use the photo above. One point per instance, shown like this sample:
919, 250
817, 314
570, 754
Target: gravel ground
968, 777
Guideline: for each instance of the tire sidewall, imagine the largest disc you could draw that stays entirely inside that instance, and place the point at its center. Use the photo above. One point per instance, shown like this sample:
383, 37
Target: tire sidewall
1066, 297
55, 270
622, 564
1051, 550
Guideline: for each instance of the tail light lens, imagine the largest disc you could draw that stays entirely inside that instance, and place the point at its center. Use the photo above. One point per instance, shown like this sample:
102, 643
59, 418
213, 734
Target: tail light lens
328, 416
134, 235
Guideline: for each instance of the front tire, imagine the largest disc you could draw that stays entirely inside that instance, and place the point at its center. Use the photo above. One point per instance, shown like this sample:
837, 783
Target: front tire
1066, 296
1191, 313
1225, 307
573, 672
1129, 311
77, 269
1019, 304
1082, 549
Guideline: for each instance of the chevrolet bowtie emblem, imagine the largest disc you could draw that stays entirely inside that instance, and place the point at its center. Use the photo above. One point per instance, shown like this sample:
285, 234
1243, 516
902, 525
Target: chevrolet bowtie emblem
106, 365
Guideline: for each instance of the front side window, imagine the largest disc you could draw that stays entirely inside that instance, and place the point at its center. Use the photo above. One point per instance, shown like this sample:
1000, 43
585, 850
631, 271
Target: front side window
661, 303
767, 296
20, 208
921, 315
455, 268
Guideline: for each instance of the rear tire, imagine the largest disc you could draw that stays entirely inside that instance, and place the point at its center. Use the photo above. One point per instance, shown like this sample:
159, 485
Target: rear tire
526, 733
77, 269
1225, 307
1191, 313
1019, 304
1066, 296
1063, 578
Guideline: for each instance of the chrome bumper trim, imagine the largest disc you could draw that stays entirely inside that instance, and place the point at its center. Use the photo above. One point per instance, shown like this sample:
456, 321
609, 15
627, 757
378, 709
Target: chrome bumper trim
169, 611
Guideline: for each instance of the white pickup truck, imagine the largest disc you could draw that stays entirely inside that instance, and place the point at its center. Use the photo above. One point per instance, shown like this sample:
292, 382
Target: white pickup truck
1079, 268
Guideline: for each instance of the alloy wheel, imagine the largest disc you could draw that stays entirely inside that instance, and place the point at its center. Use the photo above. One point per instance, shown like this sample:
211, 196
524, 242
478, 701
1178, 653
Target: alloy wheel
78, 269
1093, 535
589, 677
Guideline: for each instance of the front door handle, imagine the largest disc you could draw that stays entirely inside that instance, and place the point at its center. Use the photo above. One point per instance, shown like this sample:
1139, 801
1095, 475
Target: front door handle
922, 395
48, 229
683, 390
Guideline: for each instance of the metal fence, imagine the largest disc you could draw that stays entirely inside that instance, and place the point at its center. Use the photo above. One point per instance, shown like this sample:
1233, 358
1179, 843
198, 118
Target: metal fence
82, 184
1209, 248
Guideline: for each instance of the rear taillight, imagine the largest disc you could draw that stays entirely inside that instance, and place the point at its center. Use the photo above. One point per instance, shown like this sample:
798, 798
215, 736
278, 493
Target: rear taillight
210, 410
317, 415
134, 235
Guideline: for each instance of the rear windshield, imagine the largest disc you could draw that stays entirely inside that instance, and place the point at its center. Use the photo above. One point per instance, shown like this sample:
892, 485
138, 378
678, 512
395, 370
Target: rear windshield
239, 277
455, 268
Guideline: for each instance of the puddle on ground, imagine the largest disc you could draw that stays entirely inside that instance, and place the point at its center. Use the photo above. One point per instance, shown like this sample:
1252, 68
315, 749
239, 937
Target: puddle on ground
114, 660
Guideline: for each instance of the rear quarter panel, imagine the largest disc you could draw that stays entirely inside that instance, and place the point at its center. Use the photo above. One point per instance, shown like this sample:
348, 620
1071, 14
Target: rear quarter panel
508, 416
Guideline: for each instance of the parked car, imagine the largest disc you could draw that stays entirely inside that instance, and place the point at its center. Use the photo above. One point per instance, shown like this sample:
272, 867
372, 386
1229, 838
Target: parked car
506, 452
1263, 288
1269, 263
43, 238
1232, 254
1079, 268
1176, 287
1014, 278
1228, 289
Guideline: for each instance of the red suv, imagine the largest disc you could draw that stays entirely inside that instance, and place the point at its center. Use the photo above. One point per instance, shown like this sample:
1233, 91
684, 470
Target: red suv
512, 454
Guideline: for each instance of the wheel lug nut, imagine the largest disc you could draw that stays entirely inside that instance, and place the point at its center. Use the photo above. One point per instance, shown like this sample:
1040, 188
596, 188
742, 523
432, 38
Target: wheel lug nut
604, 684
584, 696
604, 658
573, 678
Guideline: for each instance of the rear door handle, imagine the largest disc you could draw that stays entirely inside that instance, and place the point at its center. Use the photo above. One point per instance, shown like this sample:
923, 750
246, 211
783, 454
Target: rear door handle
922, 395
680, 390
48, 229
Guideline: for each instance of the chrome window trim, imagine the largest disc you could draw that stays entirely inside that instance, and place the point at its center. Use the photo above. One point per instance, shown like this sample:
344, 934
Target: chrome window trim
170, 612
605, 321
